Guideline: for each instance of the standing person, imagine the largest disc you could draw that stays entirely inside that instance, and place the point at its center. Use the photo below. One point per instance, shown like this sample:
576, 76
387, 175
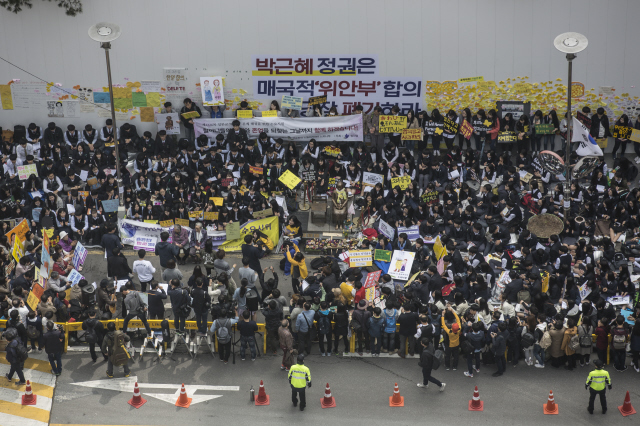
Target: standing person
224, 325
426, 362
110, 240
475, 336
135, 308
201, 305
113, 348
156, 304
144, 269
585, 330
376, 323
181, 241
189, 106
117, 265
303, 324
597, 380
452, 349
360, 318
620, 142
299, 266
272, 318
172, 272
251, 251
16, 355
569, 332
619, 334
499, 340
323, 321
299, 379
180, 304
94, 333
165, 250
373, 124
53, 346
286, 344
247, 329
390, 316
408, 327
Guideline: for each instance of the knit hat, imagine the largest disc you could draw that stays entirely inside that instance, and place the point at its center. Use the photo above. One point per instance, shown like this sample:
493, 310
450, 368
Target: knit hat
455, 327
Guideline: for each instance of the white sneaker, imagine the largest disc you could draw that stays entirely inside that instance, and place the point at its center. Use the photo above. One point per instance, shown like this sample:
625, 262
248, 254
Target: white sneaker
637, 369
637, 160
442, 387
466, 373
539, 365
420, 385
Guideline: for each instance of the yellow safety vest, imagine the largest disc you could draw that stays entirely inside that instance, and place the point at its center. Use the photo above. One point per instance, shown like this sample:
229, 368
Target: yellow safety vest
598, 379
299, 375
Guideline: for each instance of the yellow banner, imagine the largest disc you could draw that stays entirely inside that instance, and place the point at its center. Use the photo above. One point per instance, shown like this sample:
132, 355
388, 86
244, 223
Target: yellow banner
403, 182
412, 135
195, 214
166, 223
392, 123
20, 230
439, 250
289, 179
18, 250
244, 113
270, 113
210, 215
217, 200
182, 222
268, 226
470, 79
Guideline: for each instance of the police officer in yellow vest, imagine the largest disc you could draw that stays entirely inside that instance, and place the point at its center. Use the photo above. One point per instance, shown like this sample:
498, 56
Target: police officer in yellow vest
596, 382
299, 378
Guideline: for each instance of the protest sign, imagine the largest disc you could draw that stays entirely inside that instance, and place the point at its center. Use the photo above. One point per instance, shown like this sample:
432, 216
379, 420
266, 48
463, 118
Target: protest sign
110, 206
370, 180
308, 175
401, 263
622, 132
217, 200
195, 214
430, 197
270, 113
403, 182
74, 277
438, 249
317, 100
584, 291
450, 126
584, 119
210, 215
291, 102
289, 179
169, 122
233, 231
370, 285
392, 123
18, 250
181, 222
411, 134
386, 230
263, 213
145, 243
382, 255
25, 171
507, 137
466, 129
79, 255
166, 223
212, 90
413, 232
359, 258
190, 115
544, 129
19, 231
268, 226
244, 113
254, 169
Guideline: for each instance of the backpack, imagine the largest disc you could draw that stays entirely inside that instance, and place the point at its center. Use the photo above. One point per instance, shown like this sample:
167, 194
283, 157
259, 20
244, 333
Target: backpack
21, 352
75, 310
527, 340
525, 296
91, 336
324, 325
619, 342
585, 340
390, 323
438, 358
545, 342
252, 299
317, 263
574, 342
467, 347
375, 327
32, 332
224, 336
355, 324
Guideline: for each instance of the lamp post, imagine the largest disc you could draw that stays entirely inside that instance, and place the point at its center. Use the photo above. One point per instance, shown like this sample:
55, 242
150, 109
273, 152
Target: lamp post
569, 43
105, 33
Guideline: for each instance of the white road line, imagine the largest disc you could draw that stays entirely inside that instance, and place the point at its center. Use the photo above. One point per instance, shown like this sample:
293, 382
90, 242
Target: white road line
15, 396
126, 385
10, 420
33, 375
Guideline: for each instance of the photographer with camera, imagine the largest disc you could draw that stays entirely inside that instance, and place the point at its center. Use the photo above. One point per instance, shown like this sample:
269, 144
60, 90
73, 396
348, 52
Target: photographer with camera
224, 327
135, 308
54, 346
180, 304
201, 304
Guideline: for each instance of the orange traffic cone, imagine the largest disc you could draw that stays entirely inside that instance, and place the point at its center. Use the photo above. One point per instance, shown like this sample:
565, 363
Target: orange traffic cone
328, 401
137, 400
29, 398
476, 404
626, 409
396, 400
183, 401
263, 398
550, 407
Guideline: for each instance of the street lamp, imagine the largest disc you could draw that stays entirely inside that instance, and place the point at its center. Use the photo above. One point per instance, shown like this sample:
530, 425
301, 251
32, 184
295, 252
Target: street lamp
105, 33
569, 43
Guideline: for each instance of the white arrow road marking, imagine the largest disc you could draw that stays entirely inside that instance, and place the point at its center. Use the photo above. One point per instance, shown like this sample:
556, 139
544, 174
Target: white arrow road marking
127, 384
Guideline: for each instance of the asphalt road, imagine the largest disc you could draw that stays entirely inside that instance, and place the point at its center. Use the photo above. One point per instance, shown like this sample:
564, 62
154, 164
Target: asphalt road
361, 386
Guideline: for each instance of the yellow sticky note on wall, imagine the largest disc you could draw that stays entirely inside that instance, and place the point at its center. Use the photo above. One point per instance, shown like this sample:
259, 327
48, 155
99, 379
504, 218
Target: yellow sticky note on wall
153, 99
5, 96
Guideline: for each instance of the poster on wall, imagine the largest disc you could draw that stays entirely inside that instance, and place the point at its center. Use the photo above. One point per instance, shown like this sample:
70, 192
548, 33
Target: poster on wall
169, 123
175, 81
85, 94
55, 109
71, 108
212, 91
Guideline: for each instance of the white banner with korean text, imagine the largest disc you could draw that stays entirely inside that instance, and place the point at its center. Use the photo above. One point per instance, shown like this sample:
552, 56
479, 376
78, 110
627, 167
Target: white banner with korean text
341, 128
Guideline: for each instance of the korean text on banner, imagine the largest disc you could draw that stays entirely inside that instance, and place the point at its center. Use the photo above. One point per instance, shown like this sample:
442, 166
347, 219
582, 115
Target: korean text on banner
413, 232
317, 100
383, 255
145, 243
289, 179
268, 226
74, 277
370, 285
19, 231
25, 171
233, 231
386, 229
359, 258
450, 126
401, 263
392, 123
371, 179
79, 255
327, 129
466, 129
270, 113
439, 250
403, 182
412, 134
244, 113
291, 102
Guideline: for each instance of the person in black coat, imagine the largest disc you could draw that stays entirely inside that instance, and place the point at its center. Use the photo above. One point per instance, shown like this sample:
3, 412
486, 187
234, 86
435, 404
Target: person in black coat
426, 361
157, 295
53, 346
237, 134
201, 302
110, 240
92, 323
117, 265
251, 251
